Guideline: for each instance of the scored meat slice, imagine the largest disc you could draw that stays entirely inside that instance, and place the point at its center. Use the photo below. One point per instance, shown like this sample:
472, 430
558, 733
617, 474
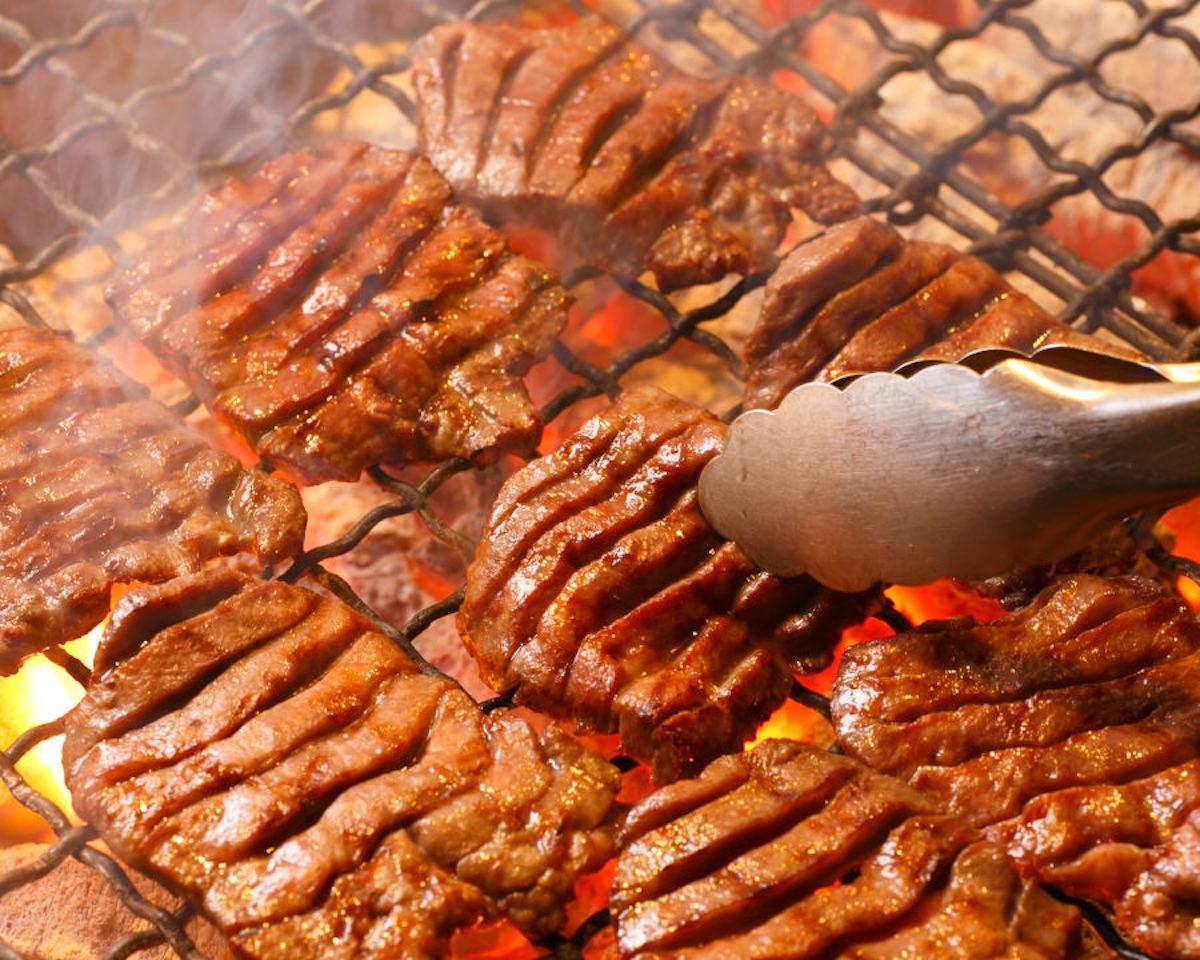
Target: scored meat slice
340, 310
268, 753
600, 593
1069, 731
787, 852
100, 486
634, 164
859, 298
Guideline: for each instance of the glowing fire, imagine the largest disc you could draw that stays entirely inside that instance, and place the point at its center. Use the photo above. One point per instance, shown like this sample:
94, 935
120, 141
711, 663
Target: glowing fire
492, 941
38, 693
1184, 523
937, 600
942, 599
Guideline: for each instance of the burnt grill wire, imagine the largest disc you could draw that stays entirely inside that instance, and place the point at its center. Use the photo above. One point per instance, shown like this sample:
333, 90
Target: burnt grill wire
918, 186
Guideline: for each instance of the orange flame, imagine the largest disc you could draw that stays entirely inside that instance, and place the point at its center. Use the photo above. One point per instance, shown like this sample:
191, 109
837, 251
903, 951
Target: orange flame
38, 693
1184, 523
499, 940
792, 721
941, 599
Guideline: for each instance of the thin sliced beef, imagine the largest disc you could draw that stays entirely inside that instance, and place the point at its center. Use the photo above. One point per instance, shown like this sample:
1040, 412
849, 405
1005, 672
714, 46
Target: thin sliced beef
1069, 732
859, 298
632, 163
268, 753
790, 852
100, 485
339, 310
600, 593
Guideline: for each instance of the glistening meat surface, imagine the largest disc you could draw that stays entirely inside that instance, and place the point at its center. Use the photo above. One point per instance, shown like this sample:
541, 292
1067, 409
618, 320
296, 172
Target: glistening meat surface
339, 309
634, 164
1069, 732
268, 753
601, 594
788, 852
100, 486
859, 298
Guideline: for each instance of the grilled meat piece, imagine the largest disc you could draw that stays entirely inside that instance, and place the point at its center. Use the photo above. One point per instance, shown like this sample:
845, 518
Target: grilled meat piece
1118, 552
268, 753
600, 593
859, 298
339, 309
102, 486
1070, 731
789, 851
634, 164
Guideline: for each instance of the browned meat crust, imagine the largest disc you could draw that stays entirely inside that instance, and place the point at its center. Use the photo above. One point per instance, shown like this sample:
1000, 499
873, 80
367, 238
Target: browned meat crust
600, 593
633, 163
102, 486
787, 851
859, 298
272, 756
340, 310
1070, 731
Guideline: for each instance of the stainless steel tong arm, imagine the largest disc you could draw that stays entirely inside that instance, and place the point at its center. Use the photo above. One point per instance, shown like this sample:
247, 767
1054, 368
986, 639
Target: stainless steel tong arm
950, 471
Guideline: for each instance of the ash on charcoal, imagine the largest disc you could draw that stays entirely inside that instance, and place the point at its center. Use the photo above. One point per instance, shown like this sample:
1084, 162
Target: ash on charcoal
400, 568
86, 919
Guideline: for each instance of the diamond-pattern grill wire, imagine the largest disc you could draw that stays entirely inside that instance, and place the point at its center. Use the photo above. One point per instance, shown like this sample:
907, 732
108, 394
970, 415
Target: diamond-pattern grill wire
917, 185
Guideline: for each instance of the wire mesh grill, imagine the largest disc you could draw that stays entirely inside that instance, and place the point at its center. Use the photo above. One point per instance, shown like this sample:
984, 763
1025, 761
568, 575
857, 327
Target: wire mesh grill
92, 149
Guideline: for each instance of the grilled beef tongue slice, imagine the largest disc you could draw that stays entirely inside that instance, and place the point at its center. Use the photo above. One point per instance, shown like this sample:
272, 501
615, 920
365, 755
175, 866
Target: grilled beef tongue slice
790, 851
634, 164
101, 486
859, 298
600, 594
1068, 732
290, 771
339, 309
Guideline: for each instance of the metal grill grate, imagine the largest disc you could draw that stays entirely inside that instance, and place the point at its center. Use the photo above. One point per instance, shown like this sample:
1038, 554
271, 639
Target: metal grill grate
58, 199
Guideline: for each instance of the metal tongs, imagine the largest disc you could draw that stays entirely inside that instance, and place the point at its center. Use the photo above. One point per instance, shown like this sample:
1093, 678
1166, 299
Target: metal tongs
964, 469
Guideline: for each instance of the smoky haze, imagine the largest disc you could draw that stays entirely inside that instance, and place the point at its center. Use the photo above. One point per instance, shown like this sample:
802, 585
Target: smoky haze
111, 111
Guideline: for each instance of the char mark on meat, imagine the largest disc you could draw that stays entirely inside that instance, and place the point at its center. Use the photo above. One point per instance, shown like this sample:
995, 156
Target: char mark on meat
339, 310
1069, 732
858, 299
268, 753
634, 164
103, 486
789, 851
601, 594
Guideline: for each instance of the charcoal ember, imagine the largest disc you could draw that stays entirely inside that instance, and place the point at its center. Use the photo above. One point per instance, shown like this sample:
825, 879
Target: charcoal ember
400, 568
1068, 731
790, 851
633, 163
269, 754
339, 310
858, 298
600, 593
102, 486
86, 918
1078, 123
